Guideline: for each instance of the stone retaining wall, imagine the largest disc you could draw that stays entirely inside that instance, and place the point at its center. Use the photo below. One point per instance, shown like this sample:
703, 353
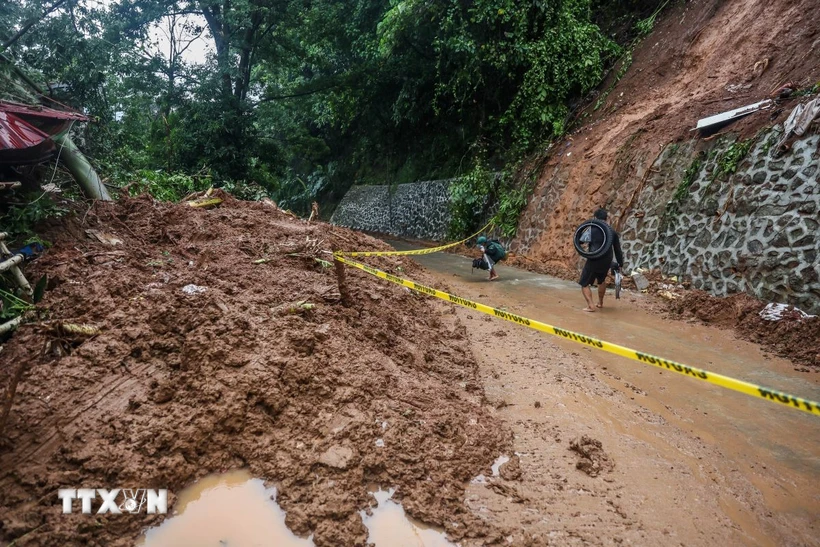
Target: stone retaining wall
754, 231
419, 210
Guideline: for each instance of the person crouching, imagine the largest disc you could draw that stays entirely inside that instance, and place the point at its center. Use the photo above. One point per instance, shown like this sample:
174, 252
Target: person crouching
492, 253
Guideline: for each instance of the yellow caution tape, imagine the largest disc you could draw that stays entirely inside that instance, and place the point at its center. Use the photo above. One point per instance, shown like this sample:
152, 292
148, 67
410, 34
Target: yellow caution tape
431, 250
699, 374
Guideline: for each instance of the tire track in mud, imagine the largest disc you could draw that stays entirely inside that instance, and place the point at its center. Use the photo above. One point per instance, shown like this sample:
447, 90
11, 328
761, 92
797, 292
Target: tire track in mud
60, 427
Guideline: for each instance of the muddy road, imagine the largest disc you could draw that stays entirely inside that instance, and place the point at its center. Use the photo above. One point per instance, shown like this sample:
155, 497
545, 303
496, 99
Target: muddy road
693, 463
206, 362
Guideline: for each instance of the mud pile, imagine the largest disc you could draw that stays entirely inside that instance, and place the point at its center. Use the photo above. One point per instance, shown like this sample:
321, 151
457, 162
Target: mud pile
209, 359
792, 336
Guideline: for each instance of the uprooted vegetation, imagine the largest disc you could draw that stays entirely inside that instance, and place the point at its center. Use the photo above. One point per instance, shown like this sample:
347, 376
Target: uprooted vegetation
208, 357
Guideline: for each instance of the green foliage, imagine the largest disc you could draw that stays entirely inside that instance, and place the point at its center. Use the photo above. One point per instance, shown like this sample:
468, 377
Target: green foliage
10, 305
300, 99
167, 186
729, 160
806, 91
481, 191
689, 177
20, 220
644, 27
511, 203
770, 141
245, 190
469, 197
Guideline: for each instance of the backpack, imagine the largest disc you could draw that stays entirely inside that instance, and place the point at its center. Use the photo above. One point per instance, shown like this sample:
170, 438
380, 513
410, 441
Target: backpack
495, 250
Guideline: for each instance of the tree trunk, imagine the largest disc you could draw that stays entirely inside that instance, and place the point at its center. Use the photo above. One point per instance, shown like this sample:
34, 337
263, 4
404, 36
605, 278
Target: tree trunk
81, 170
220, 31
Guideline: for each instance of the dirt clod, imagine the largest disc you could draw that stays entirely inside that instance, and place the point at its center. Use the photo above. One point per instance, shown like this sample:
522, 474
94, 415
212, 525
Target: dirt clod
511, 470
593, 458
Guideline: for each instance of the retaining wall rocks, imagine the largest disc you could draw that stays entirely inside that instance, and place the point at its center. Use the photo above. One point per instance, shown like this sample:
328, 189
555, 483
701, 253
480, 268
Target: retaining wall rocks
419, 210
754, 231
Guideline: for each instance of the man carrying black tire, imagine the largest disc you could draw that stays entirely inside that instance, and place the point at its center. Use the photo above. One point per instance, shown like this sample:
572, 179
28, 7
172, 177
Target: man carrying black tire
596, 270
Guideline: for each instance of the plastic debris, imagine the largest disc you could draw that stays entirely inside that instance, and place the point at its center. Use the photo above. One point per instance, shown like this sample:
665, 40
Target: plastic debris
775, 312
193, 289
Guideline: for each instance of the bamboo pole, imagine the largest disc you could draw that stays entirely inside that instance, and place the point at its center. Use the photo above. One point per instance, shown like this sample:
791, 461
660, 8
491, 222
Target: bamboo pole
82, 171
11, 265
9, 326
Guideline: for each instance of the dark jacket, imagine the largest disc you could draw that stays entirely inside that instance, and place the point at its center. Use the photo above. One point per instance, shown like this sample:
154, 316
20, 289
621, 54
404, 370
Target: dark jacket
605, 261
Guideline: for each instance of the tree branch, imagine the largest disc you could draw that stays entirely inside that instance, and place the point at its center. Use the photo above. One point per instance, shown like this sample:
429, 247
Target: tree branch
31, 23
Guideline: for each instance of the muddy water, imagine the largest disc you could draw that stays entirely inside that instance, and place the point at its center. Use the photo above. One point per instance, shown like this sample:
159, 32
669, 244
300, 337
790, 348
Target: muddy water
776, 448
234, 509
226, 510
389, 526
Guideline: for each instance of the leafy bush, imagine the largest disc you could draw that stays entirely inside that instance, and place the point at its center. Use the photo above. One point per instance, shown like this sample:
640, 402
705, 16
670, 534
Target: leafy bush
167, 186
19, 220
511, 203
482, 191
469, 197
729, 160
10, 305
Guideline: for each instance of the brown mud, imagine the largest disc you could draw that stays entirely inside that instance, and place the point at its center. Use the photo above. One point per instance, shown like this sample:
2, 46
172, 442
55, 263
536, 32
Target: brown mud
793, 336
319, 402
396, 391
693, 464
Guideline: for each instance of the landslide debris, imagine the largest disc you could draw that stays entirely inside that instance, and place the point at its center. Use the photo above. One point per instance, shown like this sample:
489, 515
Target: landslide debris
321, 400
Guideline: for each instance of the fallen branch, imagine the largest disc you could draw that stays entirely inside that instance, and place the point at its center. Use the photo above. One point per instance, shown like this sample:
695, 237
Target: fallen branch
74, 329
205, 203
301, 306
9, 326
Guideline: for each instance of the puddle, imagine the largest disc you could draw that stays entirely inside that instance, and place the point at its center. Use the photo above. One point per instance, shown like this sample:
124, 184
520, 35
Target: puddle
225, 510
389, 526
498, 463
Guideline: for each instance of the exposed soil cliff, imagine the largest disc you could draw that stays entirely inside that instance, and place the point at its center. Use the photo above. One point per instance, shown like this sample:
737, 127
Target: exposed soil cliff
704, 57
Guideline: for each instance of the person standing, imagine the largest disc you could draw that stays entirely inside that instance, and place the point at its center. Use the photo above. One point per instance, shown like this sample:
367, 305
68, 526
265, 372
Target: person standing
596, 270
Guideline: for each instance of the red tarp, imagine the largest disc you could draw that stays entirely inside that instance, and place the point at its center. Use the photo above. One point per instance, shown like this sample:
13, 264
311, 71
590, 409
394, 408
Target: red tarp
26, 131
